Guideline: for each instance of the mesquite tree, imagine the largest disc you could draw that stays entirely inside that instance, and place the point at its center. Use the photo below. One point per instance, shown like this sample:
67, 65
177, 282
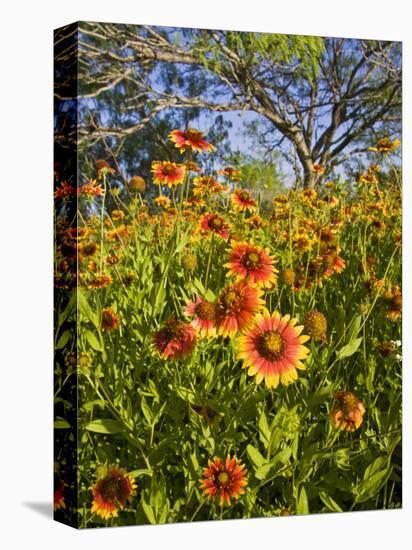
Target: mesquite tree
324, 97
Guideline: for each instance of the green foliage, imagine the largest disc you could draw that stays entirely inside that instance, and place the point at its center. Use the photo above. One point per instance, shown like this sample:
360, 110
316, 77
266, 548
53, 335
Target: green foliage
300, 52
162, 420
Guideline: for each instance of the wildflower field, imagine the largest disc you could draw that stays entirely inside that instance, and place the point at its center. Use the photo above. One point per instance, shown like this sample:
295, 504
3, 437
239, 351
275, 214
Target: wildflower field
220, 358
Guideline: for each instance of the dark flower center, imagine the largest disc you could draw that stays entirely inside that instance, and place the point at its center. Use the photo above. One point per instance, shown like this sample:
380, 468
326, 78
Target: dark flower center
396, 302
111, 489
216, 223
205, 311
169, 170
271, 345
108, 318
193, 135
223, 479
231, 299
172, 331
243, 195
251, 259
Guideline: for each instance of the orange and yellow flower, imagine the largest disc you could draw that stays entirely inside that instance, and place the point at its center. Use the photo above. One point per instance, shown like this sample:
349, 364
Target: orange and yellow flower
110, 319
256, 222
65, 190
318, 169
91, 189
251, 263
203, 314
58, 500
272, 349
224, 479
175, 339
103, 168
393, 298
102, 281
213, 223
385, 145
205, 186
193, 167
190, 139
163, 202
168, 173
348, 412
236, 306
112, 492
242, 200
333, 263
230, 173
301, 242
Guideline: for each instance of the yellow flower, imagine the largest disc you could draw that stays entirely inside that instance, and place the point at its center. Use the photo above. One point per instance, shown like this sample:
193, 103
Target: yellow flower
385, 145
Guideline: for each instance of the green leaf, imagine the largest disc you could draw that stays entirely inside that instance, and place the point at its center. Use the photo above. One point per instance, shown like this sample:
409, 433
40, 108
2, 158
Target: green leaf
148, 510
86, 310
92, 340
63, 340
141, 472
348, 350
146, 410
255, 457
69, 309
302, 506
89, 405
329, 502
271, 468
61, 424
375, 478
354, 328
264, 430
263, 471
104, 426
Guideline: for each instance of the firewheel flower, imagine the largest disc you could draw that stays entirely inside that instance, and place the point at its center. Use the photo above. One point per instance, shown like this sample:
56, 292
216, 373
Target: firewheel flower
190, 139
175, 339
168, 173
385, 145
393, 299
230, 173
103, 168
224, 479
318, 169
163, 202
272, 349
206, 186
252, 263
333, 263
58, 501
110, 320
112, 492
203, 314
91, 189
236, 306
65, 190
348, 412
242, 200
212, 223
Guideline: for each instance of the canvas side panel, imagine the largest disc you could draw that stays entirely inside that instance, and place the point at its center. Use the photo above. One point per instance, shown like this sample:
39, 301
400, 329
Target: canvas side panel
65, 276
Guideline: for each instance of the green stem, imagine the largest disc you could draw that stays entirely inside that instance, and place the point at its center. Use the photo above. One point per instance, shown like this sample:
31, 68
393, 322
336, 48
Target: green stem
209, 261
102, 224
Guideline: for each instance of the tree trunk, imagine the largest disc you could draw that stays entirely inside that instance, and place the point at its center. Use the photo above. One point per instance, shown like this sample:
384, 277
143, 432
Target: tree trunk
309, 180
